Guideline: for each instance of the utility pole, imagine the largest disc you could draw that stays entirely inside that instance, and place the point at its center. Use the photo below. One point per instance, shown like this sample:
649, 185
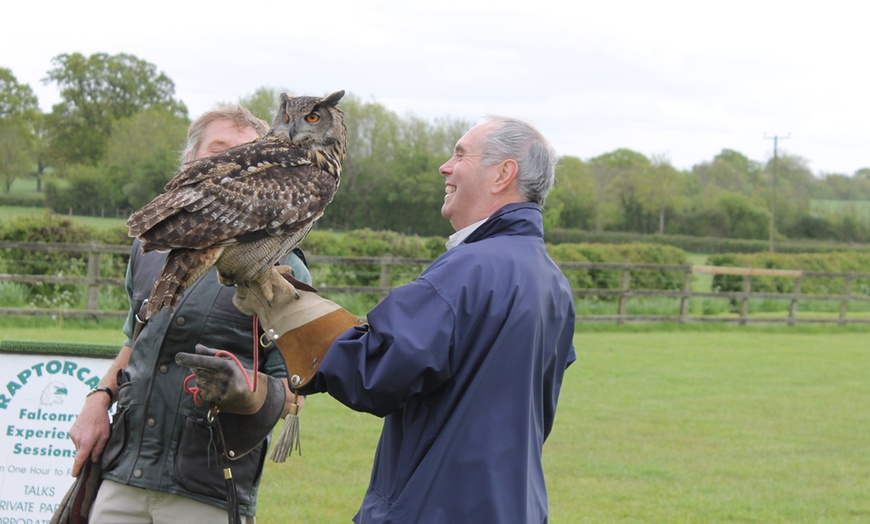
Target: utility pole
775, 139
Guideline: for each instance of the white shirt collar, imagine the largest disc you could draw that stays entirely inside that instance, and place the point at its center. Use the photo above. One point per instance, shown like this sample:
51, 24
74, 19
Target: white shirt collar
460, 236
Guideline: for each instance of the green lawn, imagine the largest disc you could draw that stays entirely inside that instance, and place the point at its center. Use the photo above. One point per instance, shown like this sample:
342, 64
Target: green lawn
26, 186
698, 424
98, 223
857, 208
726, 426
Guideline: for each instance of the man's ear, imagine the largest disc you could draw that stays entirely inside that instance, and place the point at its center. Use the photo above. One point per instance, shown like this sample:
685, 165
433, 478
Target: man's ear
507, 174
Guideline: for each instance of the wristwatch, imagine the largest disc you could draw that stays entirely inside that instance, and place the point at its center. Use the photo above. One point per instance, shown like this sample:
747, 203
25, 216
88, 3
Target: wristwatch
106, 389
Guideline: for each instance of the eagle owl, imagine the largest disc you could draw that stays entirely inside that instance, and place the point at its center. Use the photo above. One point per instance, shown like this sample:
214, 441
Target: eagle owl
243, 209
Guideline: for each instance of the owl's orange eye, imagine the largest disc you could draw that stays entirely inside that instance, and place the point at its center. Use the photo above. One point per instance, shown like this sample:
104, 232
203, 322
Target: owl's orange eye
312, 118
286, 117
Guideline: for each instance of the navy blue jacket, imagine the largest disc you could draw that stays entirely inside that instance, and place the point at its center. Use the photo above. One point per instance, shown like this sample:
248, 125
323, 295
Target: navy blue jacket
465, 364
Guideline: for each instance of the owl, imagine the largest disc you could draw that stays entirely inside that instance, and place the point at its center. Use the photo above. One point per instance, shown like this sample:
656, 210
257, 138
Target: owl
243, 209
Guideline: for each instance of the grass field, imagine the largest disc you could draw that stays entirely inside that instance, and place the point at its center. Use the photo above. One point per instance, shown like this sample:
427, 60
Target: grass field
98, 223
687, 425
856, 208
660, 427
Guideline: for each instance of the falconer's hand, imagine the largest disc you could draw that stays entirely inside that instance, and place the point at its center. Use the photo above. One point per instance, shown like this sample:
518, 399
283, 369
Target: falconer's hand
222, 382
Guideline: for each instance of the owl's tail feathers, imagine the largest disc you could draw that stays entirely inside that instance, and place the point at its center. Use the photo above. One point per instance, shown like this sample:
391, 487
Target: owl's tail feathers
182, 268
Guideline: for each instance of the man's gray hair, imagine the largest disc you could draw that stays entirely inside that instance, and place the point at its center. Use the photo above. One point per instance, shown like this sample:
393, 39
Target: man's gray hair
232, 112
535, 157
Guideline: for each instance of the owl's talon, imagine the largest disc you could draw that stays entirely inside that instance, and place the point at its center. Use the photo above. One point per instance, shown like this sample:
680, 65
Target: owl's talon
283, 270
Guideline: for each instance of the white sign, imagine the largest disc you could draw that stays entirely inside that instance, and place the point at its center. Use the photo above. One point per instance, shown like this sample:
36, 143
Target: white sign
40, 398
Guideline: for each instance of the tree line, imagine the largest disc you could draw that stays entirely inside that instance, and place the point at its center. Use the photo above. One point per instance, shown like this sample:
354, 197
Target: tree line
114, 138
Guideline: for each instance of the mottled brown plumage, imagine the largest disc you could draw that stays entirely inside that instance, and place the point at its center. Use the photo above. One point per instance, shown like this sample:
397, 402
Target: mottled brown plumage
243, 209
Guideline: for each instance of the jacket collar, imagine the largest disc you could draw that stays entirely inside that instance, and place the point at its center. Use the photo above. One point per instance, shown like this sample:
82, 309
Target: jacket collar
521, 218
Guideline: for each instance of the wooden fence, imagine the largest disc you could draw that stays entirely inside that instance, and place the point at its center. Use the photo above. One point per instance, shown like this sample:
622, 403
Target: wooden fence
620, 295
742, 297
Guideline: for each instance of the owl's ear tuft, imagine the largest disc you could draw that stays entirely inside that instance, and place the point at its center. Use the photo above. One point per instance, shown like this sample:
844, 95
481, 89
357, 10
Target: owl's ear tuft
331, 100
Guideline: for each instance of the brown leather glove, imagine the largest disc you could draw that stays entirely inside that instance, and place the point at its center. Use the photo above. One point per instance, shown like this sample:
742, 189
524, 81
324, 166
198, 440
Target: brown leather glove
247, 417
221, 381
300, 322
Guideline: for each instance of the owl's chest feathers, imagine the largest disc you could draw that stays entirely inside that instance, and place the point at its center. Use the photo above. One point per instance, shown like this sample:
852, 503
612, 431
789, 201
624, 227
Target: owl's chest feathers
243, 262
327, 161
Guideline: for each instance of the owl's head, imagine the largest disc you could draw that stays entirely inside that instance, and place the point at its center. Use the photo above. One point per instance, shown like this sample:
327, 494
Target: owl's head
310, 122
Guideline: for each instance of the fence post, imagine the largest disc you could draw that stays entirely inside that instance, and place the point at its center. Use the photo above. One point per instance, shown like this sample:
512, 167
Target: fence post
386, 272
744, 302
793, 307
623, 292
93, 274
687, 294
847, 292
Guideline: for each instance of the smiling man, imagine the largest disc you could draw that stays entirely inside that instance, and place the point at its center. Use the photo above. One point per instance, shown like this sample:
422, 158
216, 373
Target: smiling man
477, 181
465, 363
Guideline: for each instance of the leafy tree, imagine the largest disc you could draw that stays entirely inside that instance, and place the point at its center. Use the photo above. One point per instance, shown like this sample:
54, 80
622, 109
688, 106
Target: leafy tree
17, 101
141, 156
412, 186
834, 187
744, 219
731, 171
97, 91
818, 228
41, 151
390, 175
18, 113
574, 194
87, 191
728, 215
373, 133
661, 191
622, 171
14, 161
794, 181
264, 102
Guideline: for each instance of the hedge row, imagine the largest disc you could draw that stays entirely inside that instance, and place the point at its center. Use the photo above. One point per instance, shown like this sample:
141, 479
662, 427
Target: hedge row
619, 253
51, 227
18, 200
368, 243
842, 262
693, 244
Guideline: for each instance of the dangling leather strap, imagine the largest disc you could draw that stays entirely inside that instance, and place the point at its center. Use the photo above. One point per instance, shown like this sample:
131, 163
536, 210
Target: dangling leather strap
233, 512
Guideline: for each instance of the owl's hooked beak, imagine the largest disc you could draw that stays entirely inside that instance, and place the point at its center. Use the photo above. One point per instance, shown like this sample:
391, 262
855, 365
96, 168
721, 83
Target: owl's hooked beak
291, 130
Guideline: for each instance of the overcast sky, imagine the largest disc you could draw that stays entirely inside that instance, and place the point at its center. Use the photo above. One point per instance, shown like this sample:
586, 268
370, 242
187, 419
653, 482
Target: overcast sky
678, 79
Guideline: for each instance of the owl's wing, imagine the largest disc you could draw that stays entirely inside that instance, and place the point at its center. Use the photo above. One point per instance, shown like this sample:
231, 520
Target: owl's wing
230, 161
246, 201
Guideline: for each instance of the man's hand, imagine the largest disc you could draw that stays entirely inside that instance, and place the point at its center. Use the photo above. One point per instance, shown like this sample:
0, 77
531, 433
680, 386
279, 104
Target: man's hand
90, 431
222, 382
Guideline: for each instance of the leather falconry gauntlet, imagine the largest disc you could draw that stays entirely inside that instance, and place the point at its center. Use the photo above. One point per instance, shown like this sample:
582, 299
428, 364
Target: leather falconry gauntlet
301, 323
